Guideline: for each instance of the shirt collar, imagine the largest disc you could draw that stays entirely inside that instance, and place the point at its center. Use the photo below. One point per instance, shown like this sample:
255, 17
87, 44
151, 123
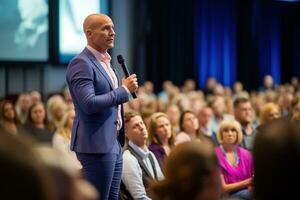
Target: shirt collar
144, 153
103, 57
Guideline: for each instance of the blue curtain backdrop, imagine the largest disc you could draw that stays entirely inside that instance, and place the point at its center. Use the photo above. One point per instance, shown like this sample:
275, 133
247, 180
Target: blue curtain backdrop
215, 41
266, 25
215, 38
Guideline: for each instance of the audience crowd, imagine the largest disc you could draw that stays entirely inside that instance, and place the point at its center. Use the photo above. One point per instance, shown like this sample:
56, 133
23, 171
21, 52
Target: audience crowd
182, 143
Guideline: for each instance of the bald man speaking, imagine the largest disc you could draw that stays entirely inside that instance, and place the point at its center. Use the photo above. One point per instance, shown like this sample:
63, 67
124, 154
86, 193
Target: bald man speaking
98, 94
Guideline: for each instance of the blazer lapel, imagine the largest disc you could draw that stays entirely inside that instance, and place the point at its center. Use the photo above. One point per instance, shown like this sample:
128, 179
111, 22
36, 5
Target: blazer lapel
98, 66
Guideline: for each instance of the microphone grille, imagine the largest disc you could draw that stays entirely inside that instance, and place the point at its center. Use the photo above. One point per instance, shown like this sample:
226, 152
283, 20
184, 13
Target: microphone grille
120, 59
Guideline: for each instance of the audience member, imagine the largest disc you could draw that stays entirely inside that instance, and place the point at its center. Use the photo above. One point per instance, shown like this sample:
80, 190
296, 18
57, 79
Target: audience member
276, 155
8, 118
56, 108
189, 127
235, 162
191, 173
62, 138
219, 110
36, 125
139, 164
23, 175
22, 105
244, 114
269, 112
205, 115
173, 113
64, 177
161, 137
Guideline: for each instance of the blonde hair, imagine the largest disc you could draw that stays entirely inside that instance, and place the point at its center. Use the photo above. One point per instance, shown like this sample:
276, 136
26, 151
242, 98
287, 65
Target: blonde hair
64, 130
265, 111
230, 123
153, 128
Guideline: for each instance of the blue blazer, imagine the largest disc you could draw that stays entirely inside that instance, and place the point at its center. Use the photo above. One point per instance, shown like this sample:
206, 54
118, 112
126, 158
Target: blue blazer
96, 105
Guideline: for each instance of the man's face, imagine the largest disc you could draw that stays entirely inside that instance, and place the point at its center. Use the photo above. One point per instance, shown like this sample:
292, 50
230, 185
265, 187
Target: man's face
244, 113
136, 131
102, 34
204, 116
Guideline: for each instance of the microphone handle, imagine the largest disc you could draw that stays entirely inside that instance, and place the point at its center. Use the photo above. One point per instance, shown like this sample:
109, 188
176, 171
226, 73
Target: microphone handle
125, 70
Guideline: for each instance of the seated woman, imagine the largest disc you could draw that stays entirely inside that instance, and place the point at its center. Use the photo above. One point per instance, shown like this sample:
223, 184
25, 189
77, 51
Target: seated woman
191, 172
62, 138
8, 117
235, 162
36, 125
161, 136
189, 127
269, 112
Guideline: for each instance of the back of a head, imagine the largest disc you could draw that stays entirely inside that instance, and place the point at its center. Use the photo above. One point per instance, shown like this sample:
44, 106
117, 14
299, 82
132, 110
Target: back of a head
276, 155
22, 174
187, 170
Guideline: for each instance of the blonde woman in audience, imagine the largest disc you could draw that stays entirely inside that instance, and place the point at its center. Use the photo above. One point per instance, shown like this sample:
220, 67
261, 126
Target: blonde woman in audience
62, 138
269, 112
37, 125
8, 118
56, 108
191, 172
189, 127
22, 105
161, 136
235, 162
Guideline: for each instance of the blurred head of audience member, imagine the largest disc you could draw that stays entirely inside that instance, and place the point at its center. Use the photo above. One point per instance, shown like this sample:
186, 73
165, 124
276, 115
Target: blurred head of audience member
189, 86
173, 113
276, 155
56, 108
238, 87
22, 105
243, 111
268, 83
37, 126
269, 112
23, 175
8, 118
37, 115
35, 96
67, 124
191, 172
64, 176
189, 123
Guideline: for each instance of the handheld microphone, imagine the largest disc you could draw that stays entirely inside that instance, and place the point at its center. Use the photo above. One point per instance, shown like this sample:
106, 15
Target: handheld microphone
121, 61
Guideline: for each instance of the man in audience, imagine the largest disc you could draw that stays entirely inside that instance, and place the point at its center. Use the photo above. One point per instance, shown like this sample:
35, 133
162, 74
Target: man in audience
244, 114
205, 114
139, 164
219, 113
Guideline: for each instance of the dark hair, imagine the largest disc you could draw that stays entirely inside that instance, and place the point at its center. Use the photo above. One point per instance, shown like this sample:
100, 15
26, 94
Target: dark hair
2, 105
182, 118
187, 169
29, 118
240, 100
276, 154
22, 174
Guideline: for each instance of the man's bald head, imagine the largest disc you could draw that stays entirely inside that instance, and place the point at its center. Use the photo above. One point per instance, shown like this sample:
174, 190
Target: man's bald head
99, 32
93, 20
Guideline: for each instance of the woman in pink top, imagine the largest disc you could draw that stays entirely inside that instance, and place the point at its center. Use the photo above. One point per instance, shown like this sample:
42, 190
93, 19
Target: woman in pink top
235, 162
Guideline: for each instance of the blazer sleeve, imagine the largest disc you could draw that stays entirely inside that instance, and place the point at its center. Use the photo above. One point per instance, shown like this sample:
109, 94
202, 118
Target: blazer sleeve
80, 78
